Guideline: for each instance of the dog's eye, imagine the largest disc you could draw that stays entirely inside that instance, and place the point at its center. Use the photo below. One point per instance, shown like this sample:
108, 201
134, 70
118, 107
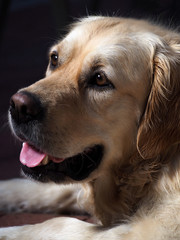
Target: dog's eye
100, 80
54, 59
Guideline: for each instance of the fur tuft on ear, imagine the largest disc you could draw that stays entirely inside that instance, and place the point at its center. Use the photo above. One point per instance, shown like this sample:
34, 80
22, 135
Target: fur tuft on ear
160, 125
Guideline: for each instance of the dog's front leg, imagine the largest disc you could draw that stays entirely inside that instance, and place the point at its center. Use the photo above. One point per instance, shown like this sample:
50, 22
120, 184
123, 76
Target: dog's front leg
22, 195
55, 229
61, 228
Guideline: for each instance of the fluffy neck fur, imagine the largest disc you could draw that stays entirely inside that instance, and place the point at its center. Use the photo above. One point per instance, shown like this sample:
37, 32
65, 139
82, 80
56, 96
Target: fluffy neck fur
118, 194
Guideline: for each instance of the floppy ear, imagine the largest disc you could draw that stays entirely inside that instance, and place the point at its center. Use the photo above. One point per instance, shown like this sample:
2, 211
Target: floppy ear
160, 124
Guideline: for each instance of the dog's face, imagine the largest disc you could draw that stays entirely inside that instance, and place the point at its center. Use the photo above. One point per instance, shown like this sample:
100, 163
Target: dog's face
83, 117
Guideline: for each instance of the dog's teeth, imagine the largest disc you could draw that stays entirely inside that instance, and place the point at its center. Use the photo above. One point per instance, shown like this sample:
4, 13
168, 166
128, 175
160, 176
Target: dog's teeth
45, 161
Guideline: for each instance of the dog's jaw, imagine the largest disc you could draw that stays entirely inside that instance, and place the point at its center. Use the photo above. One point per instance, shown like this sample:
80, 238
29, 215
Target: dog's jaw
75, 168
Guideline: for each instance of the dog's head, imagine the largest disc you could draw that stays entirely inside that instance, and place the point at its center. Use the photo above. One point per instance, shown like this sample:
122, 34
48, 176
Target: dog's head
107, 90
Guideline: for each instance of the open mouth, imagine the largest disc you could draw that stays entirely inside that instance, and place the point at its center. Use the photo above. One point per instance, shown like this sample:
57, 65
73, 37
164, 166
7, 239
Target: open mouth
43, 167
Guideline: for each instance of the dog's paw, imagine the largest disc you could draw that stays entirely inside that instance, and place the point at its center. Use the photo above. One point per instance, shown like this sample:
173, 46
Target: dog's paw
22, 195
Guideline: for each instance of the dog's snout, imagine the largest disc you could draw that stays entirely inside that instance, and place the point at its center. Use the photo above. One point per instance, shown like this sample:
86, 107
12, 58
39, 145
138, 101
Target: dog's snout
25, 107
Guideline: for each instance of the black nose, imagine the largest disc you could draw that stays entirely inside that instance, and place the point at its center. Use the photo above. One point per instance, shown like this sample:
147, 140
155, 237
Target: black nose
25, 107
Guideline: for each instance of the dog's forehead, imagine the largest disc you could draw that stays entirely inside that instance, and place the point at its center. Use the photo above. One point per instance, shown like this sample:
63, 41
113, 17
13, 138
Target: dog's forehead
95, 33
87, 33
110, 43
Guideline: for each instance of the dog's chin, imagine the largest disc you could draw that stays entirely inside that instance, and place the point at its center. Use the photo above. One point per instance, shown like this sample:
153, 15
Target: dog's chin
76, 168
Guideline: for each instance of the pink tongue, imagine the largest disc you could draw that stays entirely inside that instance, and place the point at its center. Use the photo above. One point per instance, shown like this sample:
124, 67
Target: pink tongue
31, 157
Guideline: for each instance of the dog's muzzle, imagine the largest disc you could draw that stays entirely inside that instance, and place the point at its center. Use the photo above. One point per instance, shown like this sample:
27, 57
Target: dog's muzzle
27, 115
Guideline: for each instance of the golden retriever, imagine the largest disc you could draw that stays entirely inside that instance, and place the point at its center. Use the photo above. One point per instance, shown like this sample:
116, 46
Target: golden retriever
105, 120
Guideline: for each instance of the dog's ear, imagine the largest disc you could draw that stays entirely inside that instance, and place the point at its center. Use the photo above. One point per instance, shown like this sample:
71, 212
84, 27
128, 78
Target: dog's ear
160, 124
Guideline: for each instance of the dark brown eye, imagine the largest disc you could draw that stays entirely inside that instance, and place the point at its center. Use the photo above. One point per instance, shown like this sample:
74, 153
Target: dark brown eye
54, 59
100, 81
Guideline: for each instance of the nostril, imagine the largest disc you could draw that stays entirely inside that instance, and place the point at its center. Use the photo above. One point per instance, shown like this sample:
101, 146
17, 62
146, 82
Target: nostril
12, 104
25, 107
12, 109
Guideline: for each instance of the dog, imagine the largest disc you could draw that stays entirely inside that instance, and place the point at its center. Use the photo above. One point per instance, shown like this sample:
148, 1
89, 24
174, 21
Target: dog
100, 134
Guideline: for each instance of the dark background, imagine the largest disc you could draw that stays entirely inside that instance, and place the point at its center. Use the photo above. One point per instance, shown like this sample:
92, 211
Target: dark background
29, 27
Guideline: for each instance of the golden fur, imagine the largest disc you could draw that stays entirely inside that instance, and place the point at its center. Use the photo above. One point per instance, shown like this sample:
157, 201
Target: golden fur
137, 185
